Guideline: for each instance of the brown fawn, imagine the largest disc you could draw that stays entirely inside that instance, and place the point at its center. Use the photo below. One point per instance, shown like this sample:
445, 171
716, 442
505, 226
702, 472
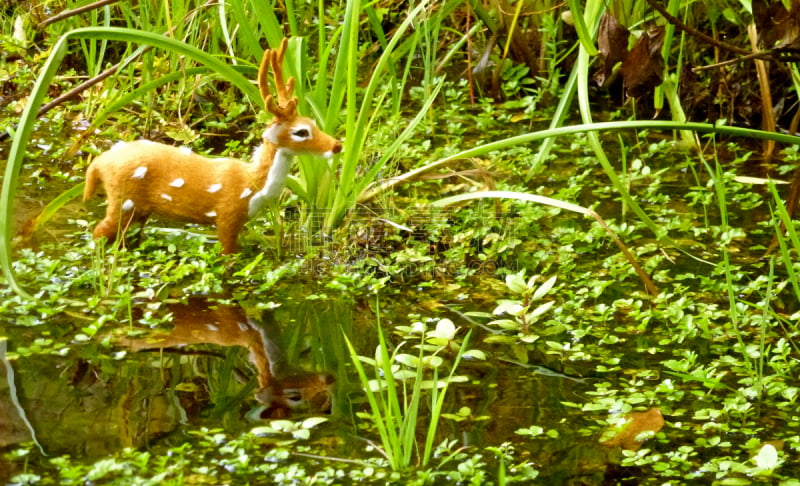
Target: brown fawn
143, 177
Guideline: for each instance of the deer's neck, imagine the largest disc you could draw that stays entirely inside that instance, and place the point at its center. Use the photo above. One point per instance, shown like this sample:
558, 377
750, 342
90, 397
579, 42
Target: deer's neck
272, 165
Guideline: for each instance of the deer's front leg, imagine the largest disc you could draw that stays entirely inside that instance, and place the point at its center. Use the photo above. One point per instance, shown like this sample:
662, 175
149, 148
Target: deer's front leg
228, 229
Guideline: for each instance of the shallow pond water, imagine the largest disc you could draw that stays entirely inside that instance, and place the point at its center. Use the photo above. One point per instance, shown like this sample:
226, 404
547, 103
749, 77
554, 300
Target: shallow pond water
171, 364
117, 391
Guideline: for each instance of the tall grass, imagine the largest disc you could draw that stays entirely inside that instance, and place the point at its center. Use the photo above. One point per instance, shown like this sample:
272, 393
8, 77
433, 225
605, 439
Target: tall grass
395, 398
788, 245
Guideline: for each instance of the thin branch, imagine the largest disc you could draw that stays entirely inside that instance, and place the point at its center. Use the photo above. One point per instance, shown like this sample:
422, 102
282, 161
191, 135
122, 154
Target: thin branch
678, 23
76, 11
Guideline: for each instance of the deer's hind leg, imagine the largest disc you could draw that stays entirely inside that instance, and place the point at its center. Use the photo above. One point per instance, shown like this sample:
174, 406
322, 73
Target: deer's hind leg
119, 218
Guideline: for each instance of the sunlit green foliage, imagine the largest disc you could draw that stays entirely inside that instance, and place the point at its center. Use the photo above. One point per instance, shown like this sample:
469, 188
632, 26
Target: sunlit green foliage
427, 108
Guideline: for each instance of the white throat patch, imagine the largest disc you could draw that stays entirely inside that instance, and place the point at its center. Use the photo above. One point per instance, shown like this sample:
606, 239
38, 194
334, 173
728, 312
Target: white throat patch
276, 180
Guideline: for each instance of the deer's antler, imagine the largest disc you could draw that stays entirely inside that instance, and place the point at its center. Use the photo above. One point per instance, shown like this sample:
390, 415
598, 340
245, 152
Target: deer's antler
286, 105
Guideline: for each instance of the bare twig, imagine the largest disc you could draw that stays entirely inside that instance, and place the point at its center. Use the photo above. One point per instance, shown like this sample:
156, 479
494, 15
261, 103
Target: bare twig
75, 11
678, 23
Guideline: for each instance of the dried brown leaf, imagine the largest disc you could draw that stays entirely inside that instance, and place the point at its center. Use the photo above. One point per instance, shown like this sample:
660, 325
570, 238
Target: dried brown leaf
642, 68
630, 435
612, 42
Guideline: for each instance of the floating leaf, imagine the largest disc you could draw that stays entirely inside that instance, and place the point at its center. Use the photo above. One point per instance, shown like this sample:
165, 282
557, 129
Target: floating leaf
475, 354
500, 338
767, 459
404, 375
303, 434
511, 307
312, 422
540, 310
634, 429
283, 425
520, 352
445, 329
506, 324
407, 359
531, 431
433, 361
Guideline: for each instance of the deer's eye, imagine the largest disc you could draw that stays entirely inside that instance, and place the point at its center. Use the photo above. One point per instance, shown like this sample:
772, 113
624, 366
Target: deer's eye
301, 133
292, 395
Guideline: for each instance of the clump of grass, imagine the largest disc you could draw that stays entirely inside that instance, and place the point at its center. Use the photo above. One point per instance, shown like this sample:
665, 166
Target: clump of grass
395, 397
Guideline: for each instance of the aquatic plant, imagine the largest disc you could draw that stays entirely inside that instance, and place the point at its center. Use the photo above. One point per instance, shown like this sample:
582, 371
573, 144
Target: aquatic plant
399, 385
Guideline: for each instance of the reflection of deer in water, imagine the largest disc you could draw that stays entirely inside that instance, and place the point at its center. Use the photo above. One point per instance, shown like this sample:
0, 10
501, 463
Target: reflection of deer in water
280, 390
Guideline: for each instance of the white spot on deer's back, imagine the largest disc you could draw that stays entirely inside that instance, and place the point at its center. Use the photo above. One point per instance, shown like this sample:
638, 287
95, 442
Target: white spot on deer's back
211, 214
212, 327
214, 188
127, 205
139, 172
246, 193
177, 182
166, 197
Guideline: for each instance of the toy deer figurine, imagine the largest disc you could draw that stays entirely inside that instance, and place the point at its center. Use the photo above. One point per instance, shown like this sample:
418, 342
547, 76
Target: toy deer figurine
143, 177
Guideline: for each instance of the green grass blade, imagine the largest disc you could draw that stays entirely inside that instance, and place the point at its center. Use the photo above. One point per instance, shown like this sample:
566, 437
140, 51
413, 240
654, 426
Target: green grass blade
586, 39
55, 205
357, 121
15, 158
791, 235
268, 21
245, 28
375, 408
589, 127
438, 403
